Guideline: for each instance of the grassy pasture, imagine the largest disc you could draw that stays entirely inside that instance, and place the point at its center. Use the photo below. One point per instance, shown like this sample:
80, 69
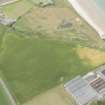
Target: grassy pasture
31, 60
55, 96
93, 56
17, 9
32, 66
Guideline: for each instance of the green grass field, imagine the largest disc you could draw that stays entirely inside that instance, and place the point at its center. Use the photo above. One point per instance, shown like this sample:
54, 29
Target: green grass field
35, 55
3, 97
2, 32
32, 66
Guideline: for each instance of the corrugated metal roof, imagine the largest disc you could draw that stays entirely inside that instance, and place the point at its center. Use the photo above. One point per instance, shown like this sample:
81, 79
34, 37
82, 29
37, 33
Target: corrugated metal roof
81, 91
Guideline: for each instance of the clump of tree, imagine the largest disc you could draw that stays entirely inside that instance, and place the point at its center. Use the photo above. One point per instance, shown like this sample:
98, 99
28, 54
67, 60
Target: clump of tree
102, 102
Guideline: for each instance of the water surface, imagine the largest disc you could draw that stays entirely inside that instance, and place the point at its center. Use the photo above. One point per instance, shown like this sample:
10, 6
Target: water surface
101, 4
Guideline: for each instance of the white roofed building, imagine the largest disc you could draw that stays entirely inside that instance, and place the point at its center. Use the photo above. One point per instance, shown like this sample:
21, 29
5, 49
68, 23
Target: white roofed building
81, 91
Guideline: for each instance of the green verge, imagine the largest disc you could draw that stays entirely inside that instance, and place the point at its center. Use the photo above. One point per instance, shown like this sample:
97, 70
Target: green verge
4, 100
3, 97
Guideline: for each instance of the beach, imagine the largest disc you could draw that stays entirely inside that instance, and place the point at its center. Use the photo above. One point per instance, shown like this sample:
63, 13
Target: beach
91, 13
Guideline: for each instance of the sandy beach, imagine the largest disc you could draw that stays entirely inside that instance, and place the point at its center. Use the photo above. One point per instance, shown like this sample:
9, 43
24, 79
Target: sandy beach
88, 10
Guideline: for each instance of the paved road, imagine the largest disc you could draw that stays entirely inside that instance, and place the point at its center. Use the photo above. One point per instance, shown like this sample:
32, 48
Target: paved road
7, 92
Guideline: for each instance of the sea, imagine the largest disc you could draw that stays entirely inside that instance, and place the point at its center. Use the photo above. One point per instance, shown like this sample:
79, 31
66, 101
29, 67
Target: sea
101, 4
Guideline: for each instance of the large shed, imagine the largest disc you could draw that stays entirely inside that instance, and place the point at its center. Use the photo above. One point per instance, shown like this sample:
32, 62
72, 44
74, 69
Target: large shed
81, 91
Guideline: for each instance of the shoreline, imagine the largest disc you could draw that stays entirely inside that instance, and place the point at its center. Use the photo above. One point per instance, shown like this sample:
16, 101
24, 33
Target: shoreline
78, 8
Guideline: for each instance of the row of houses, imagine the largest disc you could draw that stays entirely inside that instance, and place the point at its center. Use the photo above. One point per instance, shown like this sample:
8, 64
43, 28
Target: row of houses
88, 88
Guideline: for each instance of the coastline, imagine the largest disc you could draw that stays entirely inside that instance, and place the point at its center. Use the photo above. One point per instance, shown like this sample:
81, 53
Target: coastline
84, 10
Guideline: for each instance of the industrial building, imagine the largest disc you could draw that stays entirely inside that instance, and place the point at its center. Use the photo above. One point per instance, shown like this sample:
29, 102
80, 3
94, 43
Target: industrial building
88, 88
5, 2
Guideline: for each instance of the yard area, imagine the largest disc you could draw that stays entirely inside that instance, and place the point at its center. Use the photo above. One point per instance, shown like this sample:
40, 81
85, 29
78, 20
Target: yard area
32, 66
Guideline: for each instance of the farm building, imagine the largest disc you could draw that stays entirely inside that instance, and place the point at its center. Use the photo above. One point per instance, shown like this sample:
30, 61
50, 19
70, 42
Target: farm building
89, 88
81, 91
